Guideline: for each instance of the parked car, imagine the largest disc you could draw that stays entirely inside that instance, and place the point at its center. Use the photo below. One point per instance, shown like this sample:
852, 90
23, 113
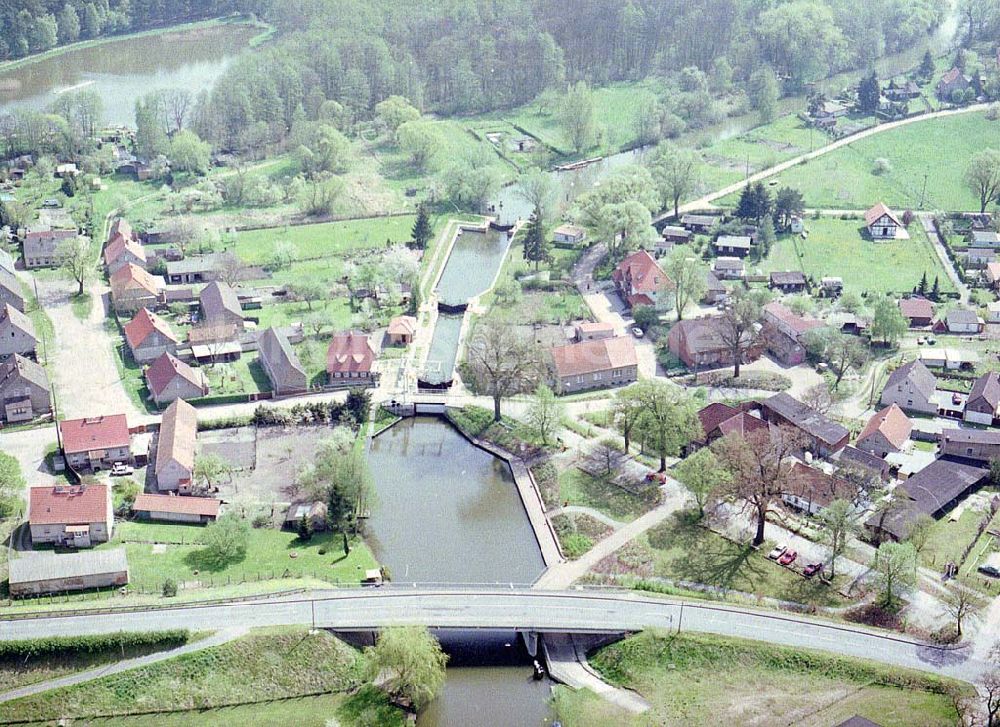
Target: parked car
119, 469
637, 332
931, 341
921, 341
812, 569
660, 477
777, 552
788, 557
956, 398
988, 570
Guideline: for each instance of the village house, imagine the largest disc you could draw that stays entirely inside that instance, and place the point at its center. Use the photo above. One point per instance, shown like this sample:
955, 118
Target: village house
912, 387
46, 573
953, 359
349, 358
675, 235
852, 459
960, 320
569, 234
175, 448
96, 443
314, 511
788, 281
785, 333
133, 288
732, 245
401, 331
824, 436
220, 305
983, 404
121, 251
981, 445
639, 280
10, 289
24, 390
41, 247
811, 490
282, 366
900, 91
17, 332
953, 80
199, 268
886, 431
593, 331
984, 238
993, 274
882, 223
169, 378
718, 420
918, 311
831, 286
699, 223
148, 337
176, 509
78, 516
715, 291
7, 261
596, 364
978, 257
728, 268
933, 491
993, 311
699, 343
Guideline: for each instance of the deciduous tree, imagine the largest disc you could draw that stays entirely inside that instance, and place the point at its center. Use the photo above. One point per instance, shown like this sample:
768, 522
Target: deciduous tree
739, 327
669, 419
225, 540
842, 352
676, 173
545, 414
408, 663
840, 523
577, 116
502, 361
689, 278
888, 324
77, 261
982, 177
703, 475
896, 570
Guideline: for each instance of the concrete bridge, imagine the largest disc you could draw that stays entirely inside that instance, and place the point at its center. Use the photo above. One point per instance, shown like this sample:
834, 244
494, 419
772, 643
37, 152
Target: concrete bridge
524, 610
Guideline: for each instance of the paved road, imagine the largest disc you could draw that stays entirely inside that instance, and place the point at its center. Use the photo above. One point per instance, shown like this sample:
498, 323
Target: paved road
520, 609
707, 200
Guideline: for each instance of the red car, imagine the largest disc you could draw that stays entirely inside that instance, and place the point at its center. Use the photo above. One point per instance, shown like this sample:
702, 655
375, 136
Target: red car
788, 557
659, 477
812, 569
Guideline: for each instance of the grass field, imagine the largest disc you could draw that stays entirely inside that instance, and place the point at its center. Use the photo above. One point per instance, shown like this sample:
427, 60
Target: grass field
938, 148
948, 539
324, 239
696, 680
261, 666
578, 488
270, 554
836, 247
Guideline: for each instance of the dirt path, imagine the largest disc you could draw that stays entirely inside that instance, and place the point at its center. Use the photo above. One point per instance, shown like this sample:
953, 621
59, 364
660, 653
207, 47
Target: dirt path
707, 200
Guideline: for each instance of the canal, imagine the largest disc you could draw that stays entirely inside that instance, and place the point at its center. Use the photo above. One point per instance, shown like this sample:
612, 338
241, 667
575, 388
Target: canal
446, 511
121, 71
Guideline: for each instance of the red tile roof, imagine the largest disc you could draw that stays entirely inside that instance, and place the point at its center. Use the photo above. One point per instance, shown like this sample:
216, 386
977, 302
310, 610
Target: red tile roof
877, 211
589, 357
640, 274
69, 505
142, 325
402, 326
714, 414
132, 276
894, 425
119, 246
85, 435
120, 228
177, 504
916, 308
816, 486
349, 353
993, 271
178, 436
164, 369
797, 323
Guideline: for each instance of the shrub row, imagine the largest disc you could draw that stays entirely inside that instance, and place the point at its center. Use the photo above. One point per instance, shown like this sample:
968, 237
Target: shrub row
72, 645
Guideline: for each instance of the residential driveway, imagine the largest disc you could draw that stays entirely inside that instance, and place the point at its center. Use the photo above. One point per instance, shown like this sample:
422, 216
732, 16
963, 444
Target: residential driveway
606, 307
28, 447
85, 376
927, 222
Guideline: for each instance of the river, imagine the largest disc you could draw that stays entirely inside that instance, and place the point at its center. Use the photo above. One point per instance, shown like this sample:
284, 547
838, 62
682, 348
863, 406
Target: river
121, 71
446, 511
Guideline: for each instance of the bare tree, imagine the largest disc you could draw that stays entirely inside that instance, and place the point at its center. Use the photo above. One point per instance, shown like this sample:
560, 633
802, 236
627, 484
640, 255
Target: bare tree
960, 603
502, 361
76, 260
818, 397
689, 279
231, 269
176, 104
740, 329
761, 465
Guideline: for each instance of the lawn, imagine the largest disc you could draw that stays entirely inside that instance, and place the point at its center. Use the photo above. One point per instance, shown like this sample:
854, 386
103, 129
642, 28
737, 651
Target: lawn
937, 150
578, 488
684, 551
269, 554
698, 679
948, 539
836, 247
264, 665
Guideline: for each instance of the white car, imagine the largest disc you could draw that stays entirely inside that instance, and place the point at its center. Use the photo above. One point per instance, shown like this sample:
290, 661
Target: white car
637, 332
777, 552
119, 469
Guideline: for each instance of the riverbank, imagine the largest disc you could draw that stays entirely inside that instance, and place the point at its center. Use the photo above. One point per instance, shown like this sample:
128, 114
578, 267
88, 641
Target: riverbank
267, 31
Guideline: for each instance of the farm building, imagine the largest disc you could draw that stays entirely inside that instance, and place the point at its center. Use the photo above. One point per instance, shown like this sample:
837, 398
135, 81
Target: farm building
46, 573
176, 508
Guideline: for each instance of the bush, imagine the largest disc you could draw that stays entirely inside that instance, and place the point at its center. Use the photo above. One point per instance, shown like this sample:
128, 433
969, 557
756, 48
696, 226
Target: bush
645, 316
881, 166
54, 646
765, 380
547, 478
473, 420
874, 615
169, 588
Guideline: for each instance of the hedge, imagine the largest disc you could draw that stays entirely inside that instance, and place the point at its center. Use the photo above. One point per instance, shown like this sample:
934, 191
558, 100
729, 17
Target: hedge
72, 645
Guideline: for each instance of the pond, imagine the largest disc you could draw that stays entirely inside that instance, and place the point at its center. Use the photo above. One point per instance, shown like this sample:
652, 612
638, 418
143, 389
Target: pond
489, 684
446, 511
122, 71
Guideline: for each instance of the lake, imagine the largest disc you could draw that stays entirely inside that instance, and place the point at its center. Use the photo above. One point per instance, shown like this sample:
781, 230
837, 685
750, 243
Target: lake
122, 71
